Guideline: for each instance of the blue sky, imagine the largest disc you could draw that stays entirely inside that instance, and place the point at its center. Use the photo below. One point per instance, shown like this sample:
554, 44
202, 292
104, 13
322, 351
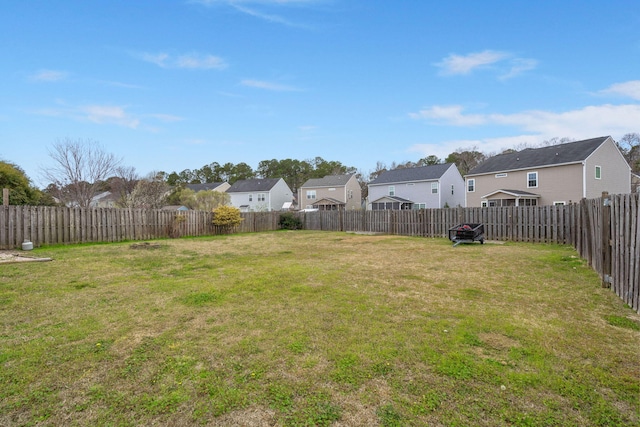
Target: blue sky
170, 85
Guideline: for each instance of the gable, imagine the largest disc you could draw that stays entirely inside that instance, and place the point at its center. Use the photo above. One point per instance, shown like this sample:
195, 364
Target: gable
391, 199
512, 193
328, 201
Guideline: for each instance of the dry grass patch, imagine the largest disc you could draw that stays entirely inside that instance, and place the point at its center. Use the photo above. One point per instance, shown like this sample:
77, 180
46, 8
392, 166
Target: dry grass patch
309, 328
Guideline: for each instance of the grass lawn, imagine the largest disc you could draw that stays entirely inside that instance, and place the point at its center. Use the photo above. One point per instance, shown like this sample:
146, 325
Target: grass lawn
298, 328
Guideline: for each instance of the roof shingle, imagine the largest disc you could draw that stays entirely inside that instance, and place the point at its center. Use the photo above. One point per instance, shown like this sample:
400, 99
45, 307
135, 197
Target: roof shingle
328, 181
423, 173
247, 185
571, 152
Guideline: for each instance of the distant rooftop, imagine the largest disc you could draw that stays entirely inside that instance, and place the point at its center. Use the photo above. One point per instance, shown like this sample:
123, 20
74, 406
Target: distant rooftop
570, 152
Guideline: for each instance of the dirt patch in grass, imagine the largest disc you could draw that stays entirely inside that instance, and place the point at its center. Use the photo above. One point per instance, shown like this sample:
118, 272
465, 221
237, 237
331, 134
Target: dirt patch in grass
13, 256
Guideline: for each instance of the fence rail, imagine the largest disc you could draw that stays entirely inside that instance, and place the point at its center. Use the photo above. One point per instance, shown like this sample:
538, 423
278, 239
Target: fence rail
605, 231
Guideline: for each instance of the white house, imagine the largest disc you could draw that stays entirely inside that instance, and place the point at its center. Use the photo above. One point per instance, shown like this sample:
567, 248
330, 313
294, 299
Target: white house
434, 186
269, 194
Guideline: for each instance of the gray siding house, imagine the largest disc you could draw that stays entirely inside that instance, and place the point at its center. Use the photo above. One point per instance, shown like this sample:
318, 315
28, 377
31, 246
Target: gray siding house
435, 186
333, 192
250, 195
558, 174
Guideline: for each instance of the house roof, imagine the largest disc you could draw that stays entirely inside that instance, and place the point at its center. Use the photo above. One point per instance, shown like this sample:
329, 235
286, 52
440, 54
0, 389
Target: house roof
174, 208
393, 198
515, 193
328, 201
571, 152
248, 185
201, 187
328, 181
423, 173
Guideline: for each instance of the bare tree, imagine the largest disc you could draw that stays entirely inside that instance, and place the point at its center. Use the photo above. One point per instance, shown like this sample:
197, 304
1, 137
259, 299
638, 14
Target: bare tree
379, 169
629, 145
123, 184
150, 192
466, 159
80, 167
556, 141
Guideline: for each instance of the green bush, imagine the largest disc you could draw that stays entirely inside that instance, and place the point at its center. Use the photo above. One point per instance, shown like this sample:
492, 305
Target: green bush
289, 221
227, 217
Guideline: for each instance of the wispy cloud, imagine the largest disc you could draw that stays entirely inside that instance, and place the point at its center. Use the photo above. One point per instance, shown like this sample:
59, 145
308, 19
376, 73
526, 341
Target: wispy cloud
120, 84
108, 114
116, 115
200, 61
464, 64
167, 118
264, 16
249, 7
189, 61
260, 84
48, 76
519, 66
450, 115
504, 62
595, 120
629, 89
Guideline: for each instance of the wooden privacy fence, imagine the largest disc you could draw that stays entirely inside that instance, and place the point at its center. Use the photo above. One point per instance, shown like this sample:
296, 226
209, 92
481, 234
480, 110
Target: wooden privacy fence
605, 231
46, 225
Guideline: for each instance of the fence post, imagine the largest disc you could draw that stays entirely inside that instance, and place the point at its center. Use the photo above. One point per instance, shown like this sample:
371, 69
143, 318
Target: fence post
606, 240
5, 197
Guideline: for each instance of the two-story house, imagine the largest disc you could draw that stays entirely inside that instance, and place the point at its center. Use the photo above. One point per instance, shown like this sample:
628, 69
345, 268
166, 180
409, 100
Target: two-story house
434, 186
557, 174
333, 192
269, 194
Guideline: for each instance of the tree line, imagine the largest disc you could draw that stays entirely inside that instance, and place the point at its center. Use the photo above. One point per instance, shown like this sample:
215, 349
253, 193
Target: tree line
82, 169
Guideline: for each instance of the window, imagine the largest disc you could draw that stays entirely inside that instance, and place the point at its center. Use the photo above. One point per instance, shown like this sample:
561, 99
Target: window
532, 179
392, 190
251, 197
484, 204
419, 206
262, 197
311, 194
598, 172
559, 203
471, 185
452, 189
434, 188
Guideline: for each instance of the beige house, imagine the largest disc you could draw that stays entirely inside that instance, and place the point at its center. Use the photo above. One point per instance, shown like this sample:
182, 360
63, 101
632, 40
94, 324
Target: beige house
558, 174
333, 192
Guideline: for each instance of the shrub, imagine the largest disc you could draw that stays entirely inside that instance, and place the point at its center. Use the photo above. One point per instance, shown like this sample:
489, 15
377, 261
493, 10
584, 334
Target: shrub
227, 217
289, 221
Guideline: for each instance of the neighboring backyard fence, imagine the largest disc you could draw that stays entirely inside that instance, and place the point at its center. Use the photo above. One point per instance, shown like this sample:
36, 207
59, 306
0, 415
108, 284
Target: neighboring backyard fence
605, 230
